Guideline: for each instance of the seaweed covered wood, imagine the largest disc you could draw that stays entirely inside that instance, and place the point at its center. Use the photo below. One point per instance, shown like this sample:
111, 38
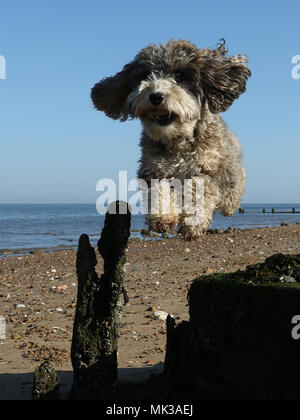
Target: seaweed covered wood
45, 382
98, 311
239, 337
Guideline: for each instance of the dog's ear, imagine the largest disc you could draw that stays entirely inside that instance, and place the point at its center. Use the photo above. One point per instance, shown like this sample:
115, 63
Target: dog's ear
223, 79
110, 94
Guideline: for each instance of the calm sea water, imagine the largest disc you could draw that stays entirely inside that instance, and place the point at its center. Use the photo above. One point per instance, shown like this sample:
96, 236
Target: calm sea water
60, 225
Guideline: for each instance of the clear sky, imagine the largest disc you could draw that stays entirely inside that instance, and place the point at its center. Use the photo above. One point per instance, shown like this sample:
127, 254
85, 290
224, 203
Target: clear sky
54, 146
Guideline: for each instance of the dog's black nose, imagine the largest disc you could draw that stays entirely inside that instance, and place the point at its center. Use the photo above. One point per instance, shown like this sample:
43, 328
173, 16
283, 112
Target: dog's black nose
156, 98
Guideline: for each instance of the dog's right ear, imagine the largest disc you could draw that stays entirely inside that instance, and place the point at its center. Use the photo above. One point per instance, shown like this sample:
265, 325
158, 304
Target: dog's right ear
110, 94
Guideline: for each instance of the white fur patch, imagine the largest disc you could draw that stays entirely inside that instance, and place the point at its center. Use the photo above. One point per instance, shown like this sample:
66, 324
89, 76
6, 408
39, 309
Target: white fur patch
177, 101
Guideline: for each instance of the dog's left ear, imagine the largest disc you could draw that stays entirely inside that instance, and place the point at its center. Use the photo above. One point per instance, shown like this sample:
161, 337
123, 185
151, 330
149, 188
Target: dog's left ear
224, 80
110, 94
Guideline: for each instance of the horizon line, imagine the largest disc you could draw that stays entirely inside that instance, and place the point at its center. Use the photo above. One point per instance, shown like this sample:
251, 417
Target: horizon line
94, 203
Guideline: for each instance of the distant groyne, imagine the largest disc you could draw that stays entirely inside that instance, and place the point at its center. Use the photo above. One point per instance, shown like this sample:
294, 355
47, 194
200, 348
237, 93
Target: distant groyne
272, 211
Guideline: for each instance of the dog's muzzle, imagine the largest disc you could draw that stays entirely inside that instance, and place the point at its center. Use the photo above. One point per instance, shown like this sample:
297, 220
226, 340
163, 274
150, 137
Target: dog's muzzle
163, 117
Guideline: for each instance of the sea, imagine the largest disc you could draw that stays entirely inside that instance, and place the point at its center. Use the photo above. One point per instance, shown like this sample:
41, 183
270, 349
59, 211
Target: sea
25, 227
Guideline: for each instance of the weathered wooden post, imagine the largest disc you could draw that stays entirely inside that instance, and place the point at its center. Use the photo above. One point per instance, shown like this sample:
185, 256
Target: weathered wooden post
45, 382
98, 311
242, 336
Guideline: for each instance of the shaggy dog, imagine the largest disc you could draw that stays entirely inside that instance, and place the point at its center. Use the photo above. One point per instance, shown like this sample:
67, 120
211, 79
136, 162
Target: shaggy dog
178, 91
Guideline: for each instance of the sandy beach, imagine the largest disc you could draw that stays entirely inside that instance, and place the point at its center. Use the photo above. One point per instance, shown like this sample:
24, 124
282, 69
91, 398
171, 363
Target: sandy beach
38, 298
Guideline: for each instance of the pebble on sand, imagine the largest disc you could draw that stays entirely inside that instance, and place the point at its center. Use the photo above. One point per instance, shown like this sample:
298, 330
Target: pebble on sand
19, 306
160, 315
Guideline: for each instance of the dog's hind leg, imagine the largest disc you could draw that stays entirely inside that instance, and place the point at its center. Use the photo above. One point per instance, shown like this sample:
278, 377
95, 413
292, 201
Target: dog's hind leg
231, 199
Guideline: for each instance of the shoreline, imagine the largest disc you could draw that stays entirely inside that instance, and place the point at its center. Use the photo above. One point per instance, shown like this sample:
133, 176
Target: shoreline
150, 236
4, 253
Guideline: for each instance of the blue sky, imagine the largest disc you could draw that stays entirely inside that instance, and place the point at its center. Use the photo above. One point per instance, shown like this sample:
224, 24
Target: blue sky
54, 146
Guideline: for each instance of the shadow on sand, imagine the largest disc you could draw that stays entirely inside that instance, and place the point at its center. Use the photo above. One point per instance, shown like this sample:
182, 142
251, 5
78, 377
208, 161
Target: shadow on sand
133, 383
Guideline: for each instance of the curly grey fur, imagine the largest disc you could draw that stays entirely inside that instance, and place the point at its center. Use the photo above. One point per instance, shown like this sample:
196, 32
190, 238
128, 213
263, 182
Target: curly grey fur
183, 137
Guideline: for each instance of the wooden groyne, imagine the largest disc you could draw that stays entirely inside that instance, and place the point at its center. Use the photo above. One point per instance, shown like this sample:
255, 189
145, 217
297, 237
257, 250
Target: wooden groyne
99, 307
272, 211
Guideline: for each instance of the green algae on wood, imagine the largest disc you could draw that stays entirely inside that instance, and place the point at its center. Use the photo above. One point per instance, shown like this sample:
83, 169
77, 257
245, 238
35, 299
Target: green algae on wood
45, 382
98, 311
239, 333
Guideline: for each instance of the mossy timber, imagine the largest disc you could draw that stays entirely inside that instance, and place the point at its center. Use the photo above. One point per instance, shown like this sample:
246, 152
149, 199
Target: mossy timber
45, 383
239, 337
98, 310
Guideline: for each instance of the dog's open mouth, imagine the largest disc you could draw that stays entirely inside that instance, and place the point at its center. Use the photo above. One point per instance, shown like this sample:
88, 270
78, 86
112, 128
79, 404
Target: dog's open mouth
165, 119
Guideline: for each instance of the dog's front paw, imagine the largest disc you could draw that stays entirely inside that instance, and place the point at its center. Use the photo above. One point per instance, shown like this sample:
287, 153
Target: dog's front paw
162, 224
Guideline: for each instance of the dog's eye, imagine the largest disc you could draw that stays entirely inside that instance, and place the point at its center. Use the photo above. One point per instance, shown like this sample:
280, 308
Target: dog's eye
142, 76
179, 76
